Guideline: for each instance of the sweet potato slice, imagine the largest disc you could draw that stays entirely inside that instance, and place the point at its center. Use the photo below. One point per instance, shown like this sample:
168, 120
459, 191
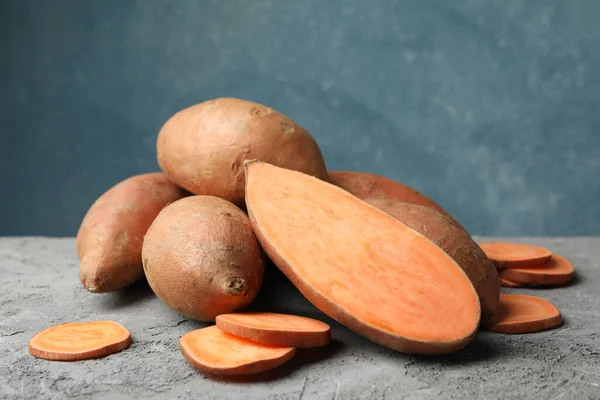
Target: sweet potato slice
359, 265
519, 313
216, 352
75, 341
274, 328
455, 241
370, 186
509, 283
557, 271
515, 255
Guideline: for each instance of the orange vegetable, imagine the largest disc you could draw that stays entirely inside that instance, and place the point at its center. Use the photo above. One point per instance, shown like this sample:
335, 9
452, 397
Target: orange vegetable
455, 241
371, 186
509, 283
109, 240
273, 328
216, 352
519, 313
75, 341
557, 271
202, 258
359, 265
515, 255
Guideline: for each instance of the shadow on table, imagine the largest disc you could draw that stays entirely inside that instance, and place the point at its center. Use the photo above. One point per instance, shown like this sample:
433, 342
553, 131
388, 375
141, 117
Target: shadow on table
138, 292
479, 350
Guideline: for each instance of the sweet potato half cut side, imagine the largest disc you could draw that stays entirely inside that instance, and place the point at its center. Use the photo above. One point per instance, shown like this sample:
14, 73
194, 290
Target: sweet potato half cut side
455, 241
359, 265
516, 255
76, 341
216, 352
557, 271
275, 328
519, 313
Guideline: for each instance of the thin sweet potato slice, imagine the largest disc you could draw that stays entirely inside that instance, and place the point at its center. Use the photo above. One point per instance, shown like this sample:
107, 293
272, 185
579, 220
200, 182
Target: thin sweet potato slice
519, 313
76, 341
216, 352
515, 255
557, 271
275, 328
509, 283
359, 265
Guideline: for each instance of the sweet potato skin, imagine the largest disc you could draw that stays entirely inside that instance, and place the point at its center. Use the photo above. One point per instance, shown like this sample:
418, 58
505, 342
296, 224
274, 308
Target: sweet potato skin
371, 332
203, 147
109, 239
455, 241
370, 186
202, 258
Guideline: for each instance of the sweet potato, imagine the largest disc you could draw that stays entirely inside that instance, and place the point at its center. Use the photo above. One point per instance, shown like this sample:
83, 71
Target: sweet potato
203, 147
202, 258
275, 328
370, 186
216, 352
516, 255
557, 271
359, 265
456, 242
76, 341
519, 313
109, 240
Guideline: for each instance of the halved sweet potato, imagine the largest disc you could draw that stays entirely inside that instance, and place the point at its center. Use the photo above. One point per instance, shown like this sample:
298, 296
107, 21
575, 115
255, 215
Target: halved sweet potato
361, 266
455, 241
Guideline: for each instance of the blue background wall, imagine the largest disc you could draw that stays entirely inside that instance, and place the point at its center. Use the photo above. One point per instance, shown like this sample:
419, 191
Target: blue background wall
492, 108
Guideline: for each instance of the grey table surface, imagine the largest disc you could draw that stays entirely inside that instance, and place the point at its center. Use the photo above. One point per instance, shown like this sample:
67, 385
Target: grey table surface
40, 287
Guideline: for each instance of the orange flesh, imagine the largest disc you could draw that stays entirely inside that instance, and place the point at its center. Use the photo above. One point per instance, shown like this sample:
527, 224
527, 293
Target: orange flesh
214, 351
361, 263
509, 283
79, 341
509, 255
519, 313
273, 328
557, 271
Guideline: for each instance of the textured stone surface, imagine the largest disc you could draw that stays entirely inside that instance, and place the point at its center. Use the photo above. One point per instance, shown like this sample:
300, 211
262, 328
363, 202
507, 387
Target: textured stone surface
39, 284
488, 106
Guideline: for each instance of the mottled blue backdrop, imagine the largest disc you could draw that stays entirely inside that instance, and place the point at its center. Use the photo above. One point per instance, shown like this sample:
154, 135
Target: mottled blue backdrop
492, 108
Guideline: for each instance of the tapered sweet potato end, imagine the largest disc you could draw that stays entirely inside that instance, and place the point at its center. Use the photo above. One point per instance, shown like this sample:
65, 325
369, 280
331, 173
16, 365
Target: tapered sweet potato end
100, 274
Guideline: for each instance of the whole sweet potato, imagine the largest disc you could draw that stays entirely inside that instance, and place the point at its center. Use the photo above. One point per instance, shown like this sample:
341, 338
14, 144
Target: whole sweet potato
203, 147
202, 258
370, 186
109, 240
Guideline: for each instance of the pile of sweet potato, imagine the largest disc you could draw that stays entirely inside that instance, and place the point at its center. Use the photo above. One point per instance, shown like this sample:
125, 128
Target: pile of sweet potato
242, 182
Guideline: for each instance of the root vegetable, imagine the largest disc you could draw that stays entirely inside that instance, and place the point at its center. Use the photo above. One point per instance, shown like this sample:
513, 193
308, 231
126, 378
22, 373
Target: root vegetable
361, 266
455, 241
519, 313
557, 271
202, 258
515, 255
216, 352
203, 147
370, 186
274, 328
109, 240
76, 341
